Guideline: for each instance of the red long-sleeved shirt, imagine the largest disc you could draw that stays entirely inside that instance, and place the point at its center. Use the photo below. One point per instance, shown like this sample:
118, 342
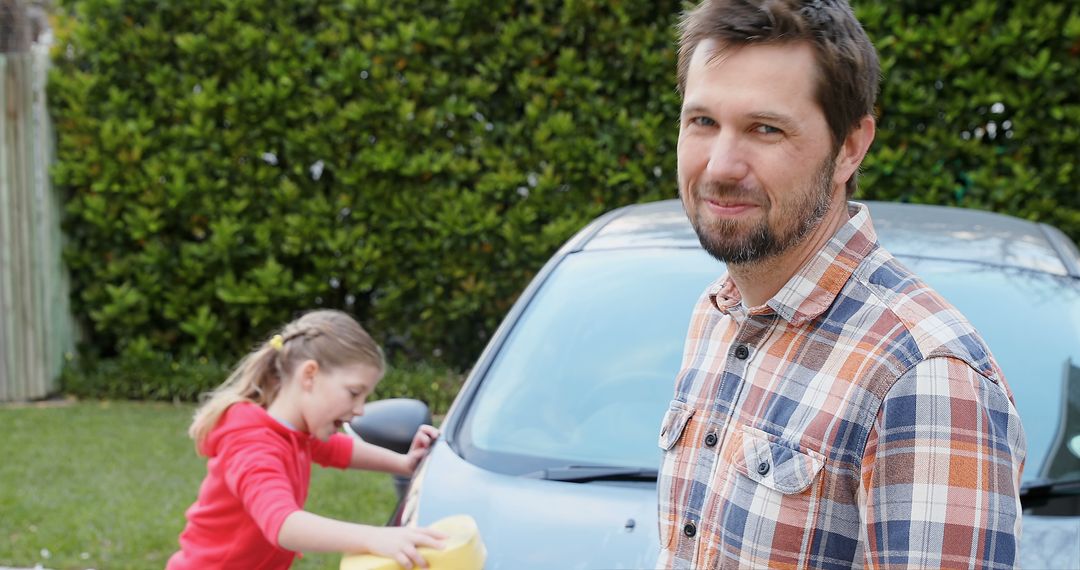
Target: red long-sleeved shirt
257, 475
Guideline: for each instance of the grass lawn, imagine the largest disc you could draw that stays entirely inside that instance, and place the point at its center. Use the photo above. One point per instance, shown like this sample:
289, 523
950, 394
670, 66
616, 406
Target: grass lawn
105, 485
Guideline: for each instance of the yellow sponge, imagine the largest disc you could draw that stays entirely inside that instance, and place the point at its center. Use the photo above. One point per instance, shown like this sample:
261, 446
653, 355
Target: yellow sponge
463, 549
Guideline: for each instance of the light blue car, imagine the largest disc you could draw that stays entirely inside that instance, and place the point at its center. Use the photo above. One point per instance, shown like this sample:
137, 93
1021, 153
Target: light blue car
551, 443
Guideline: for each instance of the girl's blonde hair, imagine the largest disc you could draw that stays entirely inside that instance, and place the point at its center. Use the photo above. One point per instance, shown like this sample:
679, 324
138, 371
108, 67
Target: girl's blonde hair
331, 338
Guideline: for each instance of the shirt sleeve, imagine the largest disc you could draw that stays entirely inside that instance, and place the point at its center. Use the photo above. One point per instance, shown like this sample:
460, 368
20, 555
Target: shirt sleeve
334, 452
255, 472
941, 472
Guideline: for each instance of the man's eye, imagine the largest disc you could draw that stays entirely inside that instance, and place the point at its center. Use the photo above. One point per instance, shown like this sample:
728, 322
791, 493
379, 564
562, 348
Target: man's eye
767, 130
703, 122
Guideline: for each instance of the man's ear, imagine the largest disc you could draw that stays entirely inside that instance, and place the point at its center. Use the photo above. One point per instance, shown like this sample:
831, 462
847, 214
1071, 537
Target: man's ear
854, 149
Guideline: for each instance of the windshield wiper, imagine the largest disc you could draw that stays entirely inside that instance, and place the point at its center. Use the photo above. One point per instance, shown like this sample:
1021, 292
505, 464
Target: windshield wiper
1041, 489
587, 473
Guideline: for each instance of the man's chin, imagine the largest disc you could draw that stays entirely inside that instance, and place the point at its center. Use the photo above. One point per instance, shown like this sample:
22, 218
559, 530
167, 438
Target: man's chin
726, 254
737, 248
725, 241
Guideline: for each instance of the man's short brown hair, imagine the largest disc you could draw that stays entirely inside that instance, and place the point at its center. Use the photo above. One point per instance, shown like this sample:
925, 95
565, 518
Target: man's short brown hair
848, 67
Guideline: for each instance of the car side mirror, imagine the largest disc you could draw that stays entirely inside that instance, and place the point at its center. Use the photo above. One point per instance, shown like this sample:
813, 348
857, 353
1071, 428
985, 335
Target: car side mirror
391, 423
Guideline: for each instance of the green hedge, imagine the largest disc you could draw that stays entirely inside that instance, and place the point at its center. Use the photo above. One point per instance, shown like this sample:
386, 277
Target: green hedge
160, 376
232, 162
980, 106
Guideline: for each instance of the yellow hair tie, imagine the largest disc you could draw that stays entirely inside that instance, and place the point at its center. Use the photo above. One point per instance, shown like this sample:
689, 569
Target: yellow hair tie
276, 342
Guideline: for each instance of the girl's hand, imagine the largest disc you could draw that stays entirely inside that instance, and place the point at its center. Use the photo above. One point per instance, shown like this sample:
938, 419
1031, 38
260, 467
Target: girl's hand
400, 543
421, 445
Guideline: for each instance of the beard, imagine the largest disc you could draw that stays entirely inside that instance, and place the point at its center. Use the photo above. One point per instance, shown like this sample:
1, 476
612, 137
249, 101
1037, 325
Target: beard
742, 242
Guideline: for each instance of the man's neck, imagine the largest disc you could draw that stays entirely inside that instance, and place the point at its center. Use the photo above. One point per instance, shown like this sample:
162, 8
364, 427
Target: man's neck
761, 280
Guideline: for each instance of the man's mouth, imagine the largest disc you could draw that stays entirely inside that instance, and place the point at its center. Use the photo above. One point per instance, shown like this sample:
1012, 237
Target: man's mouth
728, 207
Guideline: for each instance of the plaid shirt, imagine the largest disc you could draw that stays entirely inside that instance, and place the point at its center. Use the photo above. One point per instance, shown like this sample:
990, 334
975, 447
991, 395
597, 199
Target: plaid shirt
855, 419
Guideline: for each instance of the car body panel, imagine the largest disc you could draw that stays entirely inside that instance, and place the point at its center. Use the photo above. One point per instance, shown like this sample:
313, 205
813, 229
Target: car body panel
904, 229
1005, 274
1050, 542
529, 523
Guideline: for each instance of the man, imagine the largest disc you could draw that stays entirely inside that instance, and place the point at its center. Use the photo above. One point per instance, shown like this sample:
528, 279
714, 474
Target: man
832, 410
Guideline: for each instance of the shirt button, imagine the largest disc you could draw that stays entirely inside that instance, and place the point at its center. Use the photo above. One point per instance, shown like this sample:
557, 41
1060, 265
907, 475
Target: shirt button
763, 468
710, 440
689, 529
741, 352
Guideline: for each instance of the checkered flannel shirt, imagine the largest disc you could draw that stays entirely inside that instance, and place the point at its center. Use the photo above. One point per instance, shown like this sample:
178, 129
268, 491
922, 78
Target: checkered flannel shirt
855, 419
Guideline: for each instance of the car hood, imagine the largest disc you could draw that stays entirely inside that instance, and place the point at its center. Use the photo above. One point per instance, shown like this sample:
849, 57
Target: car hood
1050, 542
534, 524
530, 523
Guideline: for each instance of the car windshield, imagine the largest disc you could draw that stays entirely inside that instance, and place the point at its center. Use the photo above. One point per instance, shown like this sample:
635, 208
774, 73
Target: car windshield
588, 370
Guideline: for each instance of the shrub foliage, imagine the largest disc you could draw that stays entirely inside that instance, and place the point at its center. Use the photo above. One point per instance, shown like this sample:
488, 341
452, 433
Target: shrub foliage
160, 376
232, 162
980, 106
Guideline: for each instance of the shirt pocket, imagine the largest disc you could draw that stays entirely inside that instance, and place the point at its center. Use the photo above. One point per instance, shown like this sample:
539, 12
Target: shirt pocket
673, 424
776, 490
778, 465
675, 473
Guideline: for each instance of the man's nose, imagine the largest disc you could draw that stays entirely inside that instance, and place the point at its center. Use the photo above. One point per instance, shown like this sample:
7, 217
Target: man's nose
727, 159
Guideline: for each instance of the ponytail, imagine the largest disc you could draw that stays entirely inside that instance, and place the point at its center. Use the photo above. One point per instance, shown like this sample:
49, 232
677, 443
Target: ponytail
255, 379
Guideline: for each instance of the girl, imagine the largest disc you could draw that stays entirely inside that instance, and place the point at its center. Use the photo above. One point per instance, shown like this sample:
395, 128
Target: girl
261, 429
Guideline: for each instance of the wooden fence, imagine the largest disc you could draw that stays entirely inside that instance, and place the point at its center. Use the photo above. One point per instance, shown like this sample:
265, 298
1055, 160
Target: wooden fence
36, 327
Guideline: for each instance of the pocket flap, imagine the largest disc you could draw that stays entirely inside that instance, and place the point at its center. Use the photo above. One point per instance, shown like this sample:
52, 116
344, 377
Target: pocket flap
778, 465
675, 420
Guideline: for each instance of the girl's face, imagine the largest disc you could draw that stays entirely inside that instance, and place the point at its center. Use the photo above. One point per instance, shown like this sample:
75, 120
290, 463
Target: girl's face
335, 396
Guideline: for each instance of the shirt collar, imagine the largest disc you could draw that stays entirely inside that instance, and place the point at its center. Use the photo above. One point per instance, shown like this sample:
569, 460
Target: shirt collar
815, 286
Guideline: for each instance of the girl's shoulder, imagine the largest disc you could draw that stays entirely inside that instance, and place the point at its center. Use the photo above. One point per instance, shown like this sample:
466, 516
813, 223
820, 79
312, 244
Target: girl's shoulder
248, 424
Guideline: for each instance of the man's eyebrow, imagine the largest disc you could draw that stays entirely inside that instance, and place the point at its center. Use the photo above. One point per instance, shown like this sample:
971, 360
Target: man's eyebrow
693, 110
785, 121
778, 119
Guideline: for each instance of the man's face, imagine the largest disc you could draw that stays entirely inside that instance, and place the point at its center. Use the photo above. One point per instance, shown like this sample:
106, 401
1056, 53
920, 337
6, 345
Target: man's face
756, 163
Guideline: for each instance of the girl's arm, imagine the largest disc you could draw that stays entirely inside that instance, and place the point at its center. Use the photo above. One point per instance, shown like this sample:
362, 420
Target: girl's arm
372, 457
306, 532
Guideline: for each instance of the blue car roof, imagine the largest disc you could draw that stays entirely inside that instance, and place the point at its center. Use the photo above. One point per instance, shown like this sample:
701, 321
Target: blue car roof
906, 230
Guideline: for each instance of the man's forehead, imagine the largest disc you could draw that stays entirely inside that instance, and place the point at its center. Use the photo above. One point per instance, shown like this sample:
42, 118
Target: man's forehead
709, 51
789, 66
713, 52
775, 83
